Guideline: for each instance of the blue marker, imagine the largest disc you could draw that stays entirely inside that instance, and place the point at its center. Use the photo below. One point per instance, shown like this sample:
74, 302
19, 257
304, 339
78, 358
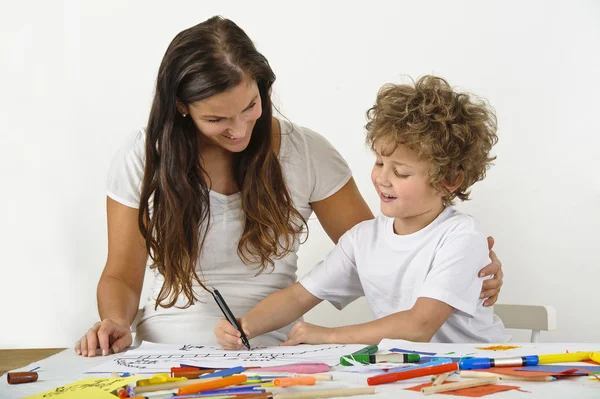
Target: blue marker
235, 391
224, 373
218, 392
418, 366
478, 363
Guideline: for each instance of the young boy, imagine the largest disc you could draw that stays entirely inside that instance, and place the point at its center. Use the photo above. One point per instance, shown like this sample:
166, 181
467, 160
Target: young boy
417, 262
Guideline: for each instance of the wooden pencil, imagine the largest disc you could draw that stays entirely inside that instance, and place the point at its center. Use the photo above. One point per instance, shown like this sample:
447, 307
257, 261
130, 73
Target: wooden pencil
459, 385
330, 393
440, 379
484, 374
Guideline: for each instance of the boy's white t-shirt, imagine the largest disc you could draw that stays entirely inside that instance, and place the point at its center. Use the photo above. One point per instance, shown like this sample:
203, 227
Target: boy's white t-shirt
313, 170
442, 261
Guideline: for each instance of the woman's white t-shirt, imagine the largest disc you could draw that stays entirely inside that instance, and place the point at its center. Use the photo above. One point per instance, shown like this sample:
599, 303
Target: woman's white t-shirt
313, 170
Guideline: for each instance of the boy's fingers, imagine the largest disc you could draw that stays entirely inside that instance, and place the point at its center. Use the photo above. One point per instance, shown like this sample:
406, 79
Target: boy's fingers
294, 329
291, 342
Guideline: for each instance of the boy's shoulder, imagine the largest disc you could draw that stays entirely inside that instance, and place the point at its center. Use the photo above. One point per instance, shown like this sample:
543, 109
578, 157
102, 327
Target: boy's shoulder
458, 222
368, 231
460, 226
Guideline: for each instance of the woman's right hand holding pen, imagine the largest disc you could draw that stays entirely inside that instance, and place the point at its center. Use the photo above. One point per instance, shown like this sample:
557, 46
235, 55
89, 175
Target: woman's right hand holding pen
228, 336
108, 335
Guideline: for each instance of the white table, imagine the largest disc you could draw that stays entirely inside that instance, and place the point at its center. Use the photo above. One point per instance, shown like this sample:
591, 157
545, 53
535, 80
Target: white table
66, 367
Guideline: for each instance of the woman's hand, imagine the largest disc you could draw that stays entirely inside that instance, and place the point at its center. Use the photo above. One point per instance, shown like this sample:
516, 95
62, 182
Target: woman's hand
107, 335
491, 287
228, 336
306, 333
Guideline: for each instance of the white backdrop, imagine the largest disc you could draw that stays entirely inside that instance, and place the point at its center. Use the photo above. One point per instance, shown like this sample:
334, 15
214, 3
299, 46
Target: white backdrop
77, 77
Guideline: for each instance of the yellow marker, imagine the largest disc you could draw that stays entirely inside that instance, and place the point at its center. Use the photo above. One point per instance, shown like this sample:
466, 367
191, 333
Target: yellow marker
564, 357
159, 379
595, 356
250, 382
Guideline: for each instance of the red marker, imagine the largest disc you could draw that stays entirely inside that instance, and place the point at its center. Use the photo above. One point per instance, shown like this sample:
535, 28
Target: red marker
408, 374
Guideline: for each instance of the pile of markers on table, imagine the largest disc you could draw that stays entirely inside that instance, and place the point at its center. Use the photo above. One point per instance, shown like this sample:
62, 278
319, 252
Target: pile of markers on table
239, 383
466, 367
272, 382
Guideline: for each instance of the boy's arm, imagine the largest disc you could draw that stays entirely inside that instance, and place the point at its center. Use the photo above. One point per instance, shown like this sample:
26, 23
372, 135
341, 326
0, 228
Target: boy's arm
418, 324
450, 285
278, 310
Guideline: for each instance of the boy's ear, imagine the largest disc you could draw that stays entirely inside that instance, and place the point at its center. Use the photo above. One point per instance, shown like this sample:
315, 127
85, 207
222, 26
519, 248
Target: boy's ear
452, 186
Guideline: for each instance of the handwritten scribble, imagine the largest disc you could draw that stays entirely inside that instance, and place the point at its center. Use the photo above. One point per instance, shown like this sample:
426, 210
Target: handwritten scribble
191, 347
144, 361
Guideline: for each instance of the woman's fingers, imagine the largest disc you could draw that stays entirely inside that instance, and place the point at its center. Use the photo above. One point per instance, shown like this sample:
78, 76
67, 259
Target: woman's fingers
83, 345
77, 347
121, 343
227, 335
92, 342
105, 334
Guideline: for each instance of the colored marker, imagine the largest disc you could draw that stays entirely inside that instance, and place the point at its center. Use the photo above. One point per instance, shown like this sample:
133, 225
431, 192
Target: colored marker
232, 391
478, 363
414, 373
199, 367
162, 378
369, 350
291, 381
390, 358
564, 357
437, 362
190, 373
214, 384
304, 368
199, 396
224, 373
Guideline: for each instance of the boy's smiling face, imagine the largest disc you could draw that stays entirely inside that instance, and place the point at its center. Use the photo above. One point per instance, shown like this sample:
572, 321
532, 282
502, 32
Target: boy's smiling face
402, 182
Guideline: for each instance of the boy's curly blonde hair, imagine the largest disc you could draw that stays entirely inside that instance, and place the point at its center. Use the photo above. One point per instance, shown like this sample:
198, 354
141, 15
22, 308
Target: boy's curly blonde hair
453, 131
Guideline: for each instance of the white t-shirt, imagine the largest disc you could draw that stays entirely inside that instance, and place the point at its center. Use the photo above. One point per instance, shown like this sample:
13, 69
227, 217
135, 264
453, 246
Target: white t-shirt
441, 261
313, 170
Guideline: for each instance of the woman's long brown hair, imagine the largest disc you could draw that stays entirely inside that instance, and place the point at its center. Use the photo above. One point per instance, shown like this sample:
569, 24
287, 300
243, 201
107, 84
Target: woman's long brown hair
174, 214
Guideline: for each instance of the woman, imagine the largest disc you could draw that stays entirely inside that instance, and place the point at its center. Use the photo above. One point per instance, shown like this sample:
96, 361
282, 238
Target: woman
217, 191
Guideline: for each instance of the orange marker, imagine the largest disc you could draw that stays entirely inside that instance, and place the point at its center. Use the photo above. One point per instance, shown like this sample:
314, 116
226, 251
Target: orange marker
291, 381
215, 384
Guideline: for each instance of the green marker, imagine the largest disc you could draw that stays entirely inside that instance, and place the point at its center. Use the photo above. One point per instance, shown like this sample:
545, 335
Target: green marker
369, 350
387, 358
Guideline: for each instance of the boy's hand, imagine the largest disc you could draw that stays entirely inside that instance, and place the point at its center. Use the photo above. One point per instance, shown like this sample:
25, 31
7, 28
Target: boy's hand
228, 336
306, 333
